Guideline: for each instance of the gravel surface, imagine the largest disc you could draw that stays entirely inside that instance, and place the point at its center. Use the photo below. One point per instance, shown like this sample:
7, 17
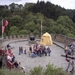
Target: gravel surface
55, 58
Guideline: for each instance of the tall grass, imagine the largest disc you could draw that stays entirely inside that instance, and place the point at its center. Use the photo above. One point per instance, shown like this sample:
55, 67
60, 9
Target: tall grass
10, 72
52, 70
2, 72
36, 71
49, 70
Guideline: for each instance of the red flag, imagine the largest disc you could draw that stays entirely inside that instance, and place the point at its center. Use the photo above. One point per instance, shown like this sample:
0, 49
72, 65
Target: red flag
4, 24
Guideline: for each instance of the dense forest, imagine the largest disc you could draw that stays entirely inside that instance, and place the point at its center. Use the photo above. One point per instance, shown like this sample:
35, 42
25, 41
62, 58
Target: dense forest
26, 20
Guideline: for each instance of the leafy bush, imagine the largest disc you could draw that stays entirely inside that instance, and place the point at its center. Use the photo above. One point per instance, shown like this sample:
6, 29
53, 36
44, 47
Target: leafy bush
49, 70
10, 72
36, 71
70, 35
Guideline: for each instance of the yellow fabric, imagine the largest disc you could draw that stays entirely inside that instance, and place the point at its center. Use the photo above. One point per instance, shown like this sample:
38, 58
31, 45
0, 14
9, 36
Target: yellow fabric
46, 39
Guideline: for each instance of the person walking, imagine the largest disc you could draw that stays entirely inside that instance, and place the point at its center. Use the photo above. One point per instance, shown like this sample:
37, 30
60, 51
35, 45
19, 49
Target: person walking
70, 65
72, 70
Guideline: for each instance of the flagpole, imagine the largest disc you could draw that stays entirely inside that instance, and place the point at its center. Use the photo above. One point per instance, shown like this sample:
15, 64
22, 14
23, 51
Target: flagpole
41, 27
2, 32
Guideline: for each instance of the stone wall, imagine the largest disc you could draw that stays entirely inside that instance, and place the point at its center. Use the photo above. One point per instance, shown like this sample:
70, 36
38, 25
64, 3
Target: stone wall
55, 37
62, 38
16, 37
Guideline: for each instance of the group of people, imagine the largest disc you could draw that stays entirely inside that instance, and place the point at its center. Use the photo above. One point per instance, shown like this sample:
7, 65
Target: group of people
69, 50
35, 50
39, 50
11, 58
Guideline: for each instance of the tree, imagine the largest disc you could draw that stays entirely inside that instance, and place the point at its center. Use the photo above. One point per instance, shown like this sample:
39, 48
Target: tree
66, 23
16, 21
23, 32
30, 26
36, 32
73, 18
14, 30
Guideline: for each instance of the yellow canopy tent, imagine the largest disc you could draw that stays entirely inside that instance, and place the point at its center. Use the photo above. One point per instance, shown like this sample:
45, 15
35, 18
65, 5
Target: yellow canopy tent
46, 39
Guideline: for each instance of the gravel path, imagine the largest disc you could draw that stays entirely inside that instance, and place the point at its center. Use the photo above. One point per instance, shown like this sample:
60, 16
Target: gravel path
28, 62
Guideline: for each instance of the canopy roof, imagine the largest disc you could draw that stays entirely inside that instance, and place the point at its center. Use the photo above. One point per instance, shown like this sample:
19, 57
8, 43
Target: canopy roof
46, 39
47, 34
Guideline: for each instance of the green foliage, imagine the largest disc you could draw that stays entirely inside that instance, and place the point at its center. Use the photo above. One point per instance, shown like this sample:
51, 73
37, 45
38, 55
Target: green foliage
23, 32
14, 30
48, 9
30, 26
49, 70
16, 21
12, 72
36, 71
36, 32
1, 72
70, 35
54, 19
65, 25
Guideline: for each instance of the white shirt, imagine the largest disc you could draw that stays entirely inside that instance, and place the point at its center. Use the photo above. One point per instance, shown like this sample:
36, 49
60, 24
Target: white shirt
9, 58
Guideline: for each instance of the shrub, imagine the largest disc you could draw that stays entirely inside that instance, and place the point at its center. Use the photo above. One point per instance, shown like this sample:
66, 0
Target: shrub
36, 71
10, 72
51, 70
